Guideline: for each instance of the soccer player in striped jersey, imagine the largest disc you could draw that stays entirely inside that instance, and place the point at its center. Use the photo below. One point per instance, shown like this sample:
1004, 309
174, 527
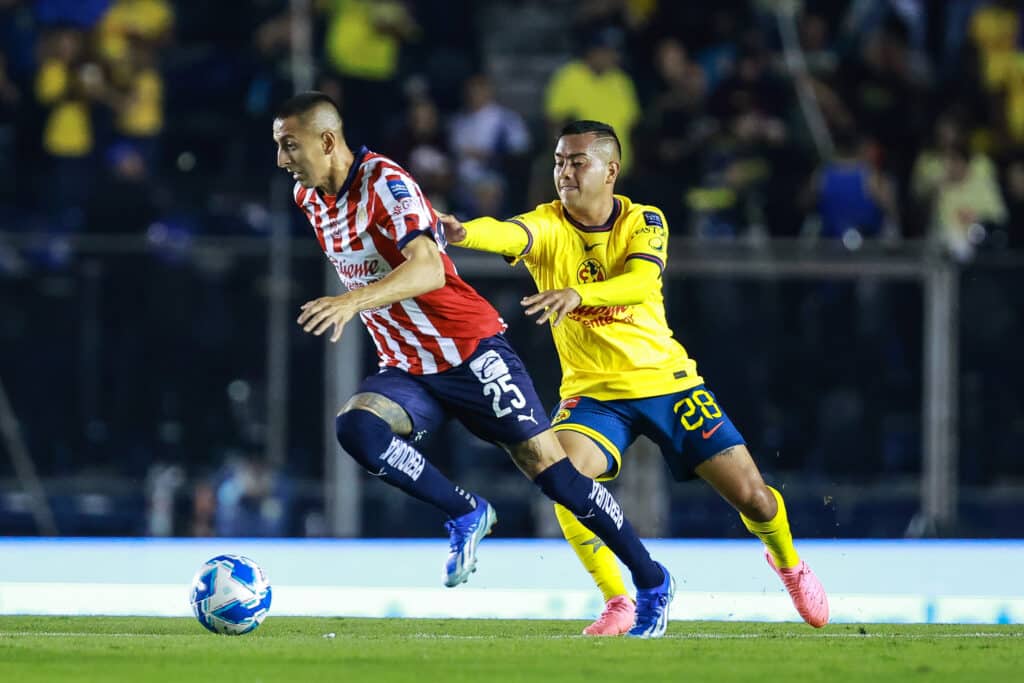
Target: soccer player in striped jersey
597, 259
439, 344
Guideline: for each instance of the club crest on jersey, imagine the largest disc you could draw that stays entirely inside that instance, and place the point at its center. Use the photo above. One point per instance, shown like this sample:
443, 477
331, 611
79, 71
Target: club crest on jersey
561, 416
590, 270
398, 189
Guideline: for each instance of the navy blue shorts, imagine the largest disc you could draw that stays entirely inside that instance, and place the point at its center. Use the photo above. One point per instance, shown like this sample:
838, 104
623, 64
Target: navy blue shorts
688, 426
490, 394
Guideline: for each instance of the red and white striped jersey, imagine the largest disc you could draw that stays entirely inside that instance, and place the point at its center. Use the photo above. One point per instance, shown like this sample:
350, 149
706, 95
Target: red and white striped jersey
362, 230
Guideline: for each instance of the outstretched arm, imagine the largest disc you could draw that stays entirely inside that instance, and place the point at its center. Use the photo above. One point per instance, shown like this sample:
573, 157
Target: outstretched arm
508, 238
637, 280
420, 273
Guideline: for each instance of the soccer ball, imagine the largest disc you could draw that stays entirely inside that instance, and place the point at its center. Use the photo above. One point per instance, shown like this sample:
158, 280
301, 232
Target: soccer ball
230, 595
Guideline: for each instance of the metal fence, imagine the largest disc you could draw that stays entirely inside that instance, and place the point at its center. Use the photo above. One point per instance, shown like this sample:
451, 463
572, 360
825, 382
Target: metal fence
160, 386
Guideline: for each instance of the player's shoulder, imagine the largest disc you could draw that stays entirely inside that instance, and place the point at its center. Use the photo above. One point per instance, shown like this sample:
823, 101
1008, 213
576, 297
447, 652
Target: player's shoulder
372, 162
636, 215
541, 215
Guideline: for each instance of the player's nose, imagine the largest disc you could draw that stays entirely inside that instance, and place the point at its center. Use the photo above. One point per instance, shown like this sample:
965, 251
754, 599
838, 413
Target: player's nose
281, 159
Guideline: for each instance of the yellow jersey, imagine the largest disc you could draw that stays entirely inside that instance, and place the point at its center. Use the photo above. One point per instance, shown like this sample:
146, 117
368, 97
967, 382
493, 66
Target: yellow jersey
617, 344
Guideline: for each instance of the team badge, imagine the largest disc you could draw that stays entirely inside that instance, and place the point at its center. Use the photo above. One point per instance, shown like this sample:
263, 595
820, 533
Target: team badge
398, 189
590, 270
562, 416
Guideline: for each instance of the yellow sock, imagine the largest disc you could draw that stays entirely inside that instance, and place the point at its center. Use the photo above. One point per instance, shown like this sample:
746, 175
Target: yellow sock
593, 553
775, 535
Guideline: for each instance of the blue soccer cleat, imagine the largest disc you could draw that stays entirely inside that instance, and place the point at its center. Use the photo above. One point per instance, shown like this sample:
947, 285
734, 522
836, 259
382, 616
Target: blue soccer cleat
465, 534
652, 608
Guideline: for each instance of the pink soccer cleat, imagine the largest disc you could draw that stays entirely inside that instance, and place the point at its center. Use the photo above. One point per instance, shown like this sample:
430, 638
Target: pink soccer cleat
617, 618
806, 591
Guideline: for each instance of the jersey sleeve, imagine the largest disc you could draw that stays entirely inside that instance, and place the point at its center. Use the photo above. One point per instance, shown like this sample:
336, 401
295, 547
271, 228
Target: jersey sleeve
648, 236
510, 238
520, 238
401, 209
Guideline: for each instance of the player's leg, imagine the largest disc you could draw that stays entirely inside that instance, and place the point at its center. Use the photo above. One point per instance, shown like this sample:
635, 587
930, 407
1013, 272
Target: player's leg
574, 426
542, 459
734, 475
496, 399
706, 441
375, 428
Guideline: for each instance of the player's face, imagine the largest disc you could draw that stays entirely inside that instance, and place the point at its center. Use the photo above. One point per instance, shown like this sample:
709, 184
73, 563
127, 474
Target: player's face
300, 152
581, 173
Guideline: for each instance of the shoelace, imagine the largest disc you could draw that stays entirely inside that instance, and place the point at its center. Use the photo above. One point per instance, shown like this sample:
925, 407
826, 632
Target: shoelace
454, 541
645, 605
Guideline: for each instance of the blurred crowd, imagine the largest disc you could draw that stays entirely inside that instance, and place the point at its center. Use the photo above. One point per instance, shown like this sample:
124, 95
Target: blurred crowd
844, 120
849, 119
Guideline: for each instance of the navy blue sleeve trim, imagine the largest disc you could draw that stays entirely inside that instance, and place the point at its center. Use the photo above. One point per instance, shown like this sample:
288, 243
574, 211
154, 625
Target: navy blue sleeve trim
529, 237
409, 237
648, 257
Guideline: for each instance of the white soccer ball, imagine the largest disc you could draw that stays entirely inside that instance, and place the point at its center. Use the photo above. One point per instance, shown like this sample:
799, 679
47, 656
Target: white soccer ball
230, 595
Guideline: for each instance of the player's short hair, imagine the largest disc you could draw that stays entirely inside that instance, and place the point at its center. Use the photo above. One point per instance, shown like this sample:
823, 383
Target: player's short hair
305, 102
602, 131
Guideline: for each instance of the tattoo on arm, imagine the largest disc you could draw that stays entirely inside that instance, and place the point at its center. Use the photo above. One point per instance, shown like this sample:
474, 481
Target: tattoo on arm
384, 408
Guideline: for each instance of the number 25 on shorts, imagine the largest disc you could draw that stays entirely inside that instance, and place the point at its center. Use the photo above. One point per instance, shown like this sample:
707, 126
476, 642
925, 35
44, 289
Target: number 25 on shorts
695, 408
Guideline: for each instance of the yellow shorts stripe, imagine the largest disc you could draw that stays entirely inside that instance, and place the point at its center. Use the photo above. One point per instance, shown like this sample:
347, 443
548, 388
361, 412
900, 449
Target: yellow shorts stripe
601, 440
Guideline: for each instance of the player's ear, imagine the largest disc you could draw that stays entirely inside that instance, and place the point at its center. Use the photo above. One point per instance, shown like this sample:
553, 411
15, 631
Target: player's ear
613, 172
328, 141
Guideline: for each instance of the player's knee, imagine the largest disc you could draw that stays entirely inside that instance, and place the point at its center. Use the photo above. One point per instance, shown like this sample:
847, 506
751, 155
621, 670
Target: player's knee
362, 434
756, 502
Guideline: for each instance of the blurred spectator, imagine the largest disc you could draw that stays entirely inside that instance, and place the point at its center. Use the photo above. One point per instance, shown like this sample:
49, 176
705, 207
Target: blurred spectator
852, 197
968, 204
69, 85
124, 200
487, 139
421, 146
885, 96
930, 167
139, 102
253, 499
595, 87
995, 33
752, 86
363, 44
10, 97
815, 41
129, 23
204, 510
670, 138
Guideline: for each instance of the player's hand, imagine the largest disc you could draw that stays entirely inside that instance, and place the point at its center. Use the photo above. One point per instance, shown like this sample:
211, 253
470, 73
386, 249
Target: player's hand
453, 230
553, 305
319, 314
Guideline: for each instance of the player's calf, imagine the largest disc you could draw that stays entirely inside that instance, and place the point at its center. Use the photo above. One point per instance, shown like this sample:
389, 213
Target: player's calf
597, 509
371, 443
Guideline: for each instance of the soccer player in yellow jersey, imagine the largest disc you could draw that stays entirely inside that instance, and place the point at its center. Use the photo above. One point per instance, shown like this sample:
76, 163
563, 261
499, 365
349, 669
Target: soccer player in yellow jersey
597, 259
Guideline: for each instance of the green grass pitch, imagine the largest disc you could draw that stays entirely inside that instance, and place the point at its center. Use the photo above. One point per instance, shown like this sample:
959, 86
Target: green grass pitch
483, 651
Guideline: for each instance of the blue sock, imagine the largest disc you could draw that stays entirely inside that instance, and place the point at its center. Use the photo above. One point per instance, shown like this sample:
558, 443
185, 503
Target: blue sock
370, 441
597, 510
